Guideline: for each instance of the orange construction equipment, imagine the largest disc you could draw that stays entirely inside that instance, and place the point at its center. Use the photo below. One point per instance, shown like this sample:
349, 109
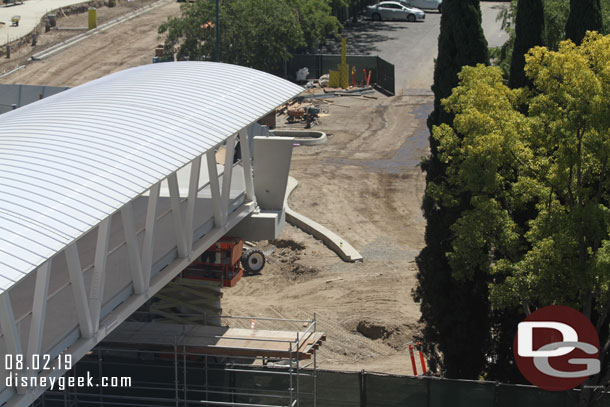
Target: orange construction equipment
221, 262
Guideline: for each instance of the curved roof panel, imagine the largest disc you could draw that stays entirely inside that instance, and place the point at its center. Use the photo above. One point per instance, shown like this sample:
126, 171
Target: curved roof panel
69, 161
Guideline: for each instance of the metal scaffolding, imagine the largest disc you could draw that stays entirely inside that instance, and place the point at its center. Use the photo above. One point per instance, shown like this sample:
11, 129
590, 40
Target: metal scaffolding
185, 375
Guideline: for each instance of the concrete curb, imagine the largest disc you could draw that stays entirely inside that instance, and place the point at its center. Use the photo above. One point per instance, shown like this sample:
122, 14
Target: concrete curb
332, 240
302, 137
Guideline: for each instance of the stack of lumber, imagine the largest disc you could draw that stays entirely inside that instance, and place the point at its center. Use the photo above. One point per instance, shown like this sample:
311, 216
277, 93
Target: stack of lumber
214, 340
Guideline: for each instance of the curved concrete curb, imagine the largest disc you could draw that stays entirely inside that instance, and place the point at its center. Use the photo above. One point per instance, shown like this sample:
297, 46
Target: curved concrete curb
305, 138
335, 242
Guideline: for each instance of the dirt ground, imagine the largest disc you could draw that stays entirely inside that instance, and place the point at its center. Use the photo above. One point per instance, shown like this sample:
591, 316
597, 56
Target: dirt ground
364, 184
123, 46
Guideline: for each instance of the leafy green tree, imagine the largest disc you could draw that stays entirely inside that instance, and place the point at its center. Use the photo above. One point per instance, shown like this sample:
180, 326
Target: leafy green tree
316, 20
257, 33
529, 32
585, 15
455, 313
538, 184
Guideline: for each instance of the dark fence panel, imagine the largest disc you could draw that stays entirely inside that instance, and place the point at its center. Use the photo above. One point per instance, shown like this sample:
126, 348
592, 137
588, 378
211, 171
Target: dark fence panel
382, 72
461, 393
509, 395
161, 383
385, 75
394, 391
21, 95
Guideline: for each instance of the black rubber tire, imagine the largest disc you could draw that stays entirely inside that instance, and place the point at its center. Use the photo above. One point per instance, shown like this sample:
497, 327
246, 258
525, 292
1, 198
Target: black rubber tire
411, 18
376, 17
253, 261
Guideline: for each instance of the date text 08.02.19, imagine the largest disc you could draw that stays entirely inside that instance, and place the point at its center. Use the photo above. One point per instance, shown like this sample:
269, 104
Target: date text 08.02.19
38, 362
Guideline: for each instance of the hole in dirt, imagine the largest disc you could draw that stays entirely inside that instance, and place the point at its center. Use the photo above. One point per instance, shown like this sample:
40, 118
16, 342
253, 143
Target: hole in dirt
372, 330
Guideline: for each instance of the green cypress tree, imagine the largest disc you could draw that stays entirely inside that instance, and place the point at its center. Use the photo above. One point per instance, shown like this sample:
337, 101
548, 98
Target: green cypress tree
529, 31
455, 313
461, 42
584, 15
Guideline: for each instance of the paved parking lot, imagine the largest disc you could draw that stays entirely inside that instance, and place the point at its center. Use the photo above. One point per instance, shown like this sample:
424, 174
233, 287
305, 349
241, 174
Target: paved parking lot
412, 47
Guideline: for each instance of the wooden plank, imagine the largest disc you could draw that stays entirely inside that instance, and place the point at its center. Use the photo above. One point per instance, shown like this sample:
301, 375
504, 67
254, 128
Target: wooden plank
220, 340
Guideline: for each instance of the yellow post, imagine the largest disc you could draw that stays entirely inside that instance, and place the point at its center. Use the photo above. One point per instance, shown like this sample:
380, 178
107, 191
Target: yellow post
334, 79
92, 18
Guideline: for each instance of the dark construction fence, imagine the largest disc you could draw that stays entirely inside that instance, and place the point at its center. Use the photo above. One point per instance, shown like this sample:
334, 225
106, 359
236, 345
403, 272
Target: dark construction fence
319, 64
165, 384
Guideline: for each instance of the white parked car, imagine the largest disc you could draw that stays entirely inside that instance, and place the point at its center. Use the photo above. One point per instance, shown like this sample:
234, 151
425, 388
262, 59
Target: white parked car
393, 10
425, 4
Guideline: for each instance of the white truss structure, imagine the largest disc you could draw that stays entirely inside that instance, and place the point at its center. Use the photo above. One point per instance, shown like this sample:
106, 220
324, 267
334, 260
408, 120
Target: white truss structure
108, 191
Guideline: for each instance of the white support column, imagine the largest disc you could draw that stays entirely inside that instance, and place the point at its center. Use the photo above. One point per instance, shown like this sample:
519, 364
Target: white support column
9, 328
174, 196
79, 292
133, 248
149, 233
246, 162
98, 279
39, 309
10, 333
192, 199
214, 187
226, 177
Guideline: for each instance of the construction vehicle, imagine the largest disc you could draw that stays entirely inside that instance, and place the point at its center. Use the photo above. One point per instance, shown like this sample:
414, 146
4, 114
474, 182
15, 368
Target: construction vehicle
13, 2
225, 261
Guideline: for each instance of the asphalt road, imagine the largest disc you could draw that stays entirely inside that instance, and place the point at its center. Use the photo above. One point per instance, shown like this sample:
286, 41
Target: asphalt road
412, 47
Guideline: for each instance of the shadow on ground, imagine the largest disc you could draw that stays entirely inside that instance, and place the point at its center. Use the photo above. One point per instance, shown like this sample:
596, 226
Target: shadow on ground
364, 36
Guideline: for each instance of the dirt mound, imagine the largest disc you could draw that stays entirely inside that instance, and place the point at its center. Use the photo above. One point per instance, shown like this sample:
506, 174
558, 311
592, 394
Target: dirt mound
288, 243
300, 269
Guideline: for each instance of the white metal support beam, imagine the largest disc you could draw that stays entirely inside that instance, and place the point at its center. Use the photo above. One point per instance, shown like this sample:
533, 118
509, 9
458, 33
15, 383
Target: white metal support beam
131, 304
226, 177
192, 200
78, 291
10, 332
174, 196
133, 248
246, 162
149, 233
214, 187
98, 280
9, 328
39, 309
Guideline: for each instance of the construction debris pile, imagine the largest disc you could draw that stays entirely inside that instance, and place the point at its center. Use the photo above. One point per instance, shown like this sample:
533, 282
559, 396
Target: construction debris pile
313, 104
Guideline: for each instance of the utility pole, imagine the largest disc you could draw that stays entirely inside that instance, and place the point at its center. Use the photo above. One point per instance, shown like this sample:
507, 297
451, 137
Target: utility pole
217, 31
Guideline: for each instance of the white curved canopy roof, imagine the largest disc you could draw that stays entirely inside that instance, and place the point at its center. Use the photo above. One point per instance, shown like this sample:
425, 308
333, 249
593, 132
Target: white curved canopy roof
69, 161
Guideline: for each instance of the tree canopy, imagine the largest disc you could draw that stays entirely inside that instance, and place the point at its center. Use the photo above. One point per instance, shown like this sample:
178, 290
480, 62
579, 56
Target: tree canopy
256, 33
537, 182
584, 15
461, 42
529, 32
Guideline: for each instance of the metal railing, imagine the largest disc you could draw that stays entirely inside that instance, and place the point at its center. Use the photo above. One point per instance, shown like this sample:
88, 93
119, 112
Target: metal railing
185, 390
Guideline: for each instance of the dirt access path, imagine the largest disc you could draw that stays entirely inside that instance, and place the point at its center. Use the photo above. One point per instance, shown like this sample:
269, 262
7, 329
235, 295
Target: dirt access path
365, 185
123, 46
